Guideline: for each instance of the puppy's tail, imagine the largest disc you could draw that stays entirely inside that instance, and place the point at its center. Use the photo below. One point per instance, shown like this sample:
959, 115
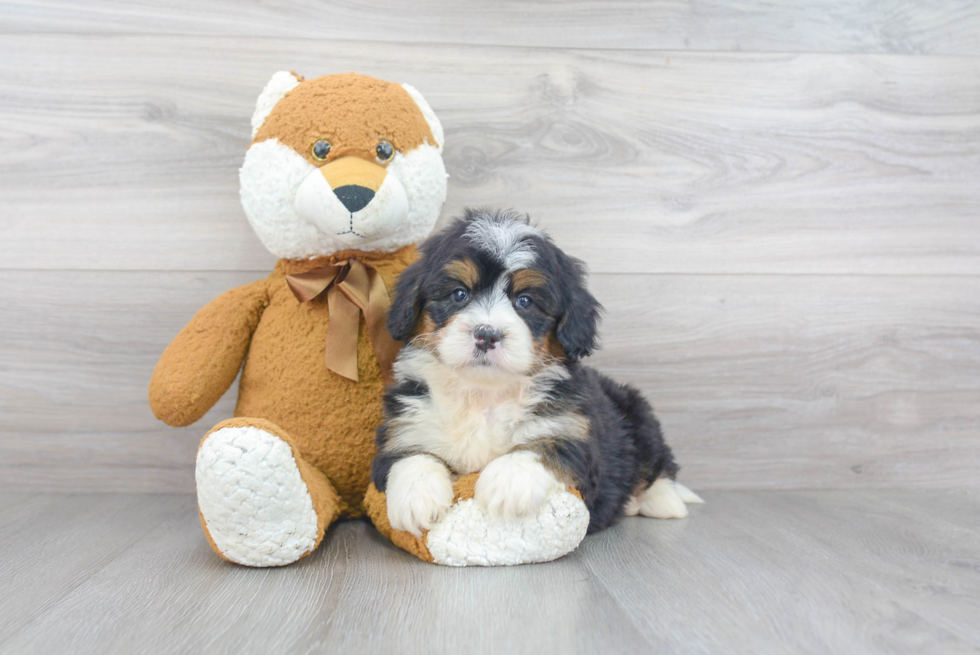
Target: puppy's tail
688, 496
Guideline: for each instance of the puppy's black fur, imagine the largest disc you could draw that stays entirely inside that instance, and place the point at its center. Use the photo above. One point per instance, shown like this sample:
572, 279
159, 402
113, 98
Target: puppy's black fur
622, 452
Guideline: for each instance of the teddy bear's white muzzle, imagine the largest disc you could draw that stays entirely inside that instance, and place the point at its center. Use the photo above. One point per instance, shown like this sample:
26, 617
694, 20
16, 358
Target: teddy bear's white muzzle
354, 201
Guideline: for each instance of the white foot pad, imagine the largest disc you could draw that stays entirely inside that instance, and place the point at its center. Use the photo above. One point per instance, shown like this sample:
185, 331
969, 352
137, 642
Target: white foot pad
256, 506
466, 536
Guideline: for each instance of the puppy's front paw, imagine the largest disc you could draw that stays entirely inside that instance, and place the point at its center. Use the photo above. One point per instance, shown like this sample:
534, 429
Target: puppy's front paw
514, 485
419, 492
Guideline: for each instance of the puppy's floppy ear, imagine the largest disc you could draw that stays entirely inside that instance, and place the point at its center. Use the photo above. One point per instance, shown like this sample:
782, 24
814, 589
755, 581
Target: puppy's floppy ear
578, 326
406, 308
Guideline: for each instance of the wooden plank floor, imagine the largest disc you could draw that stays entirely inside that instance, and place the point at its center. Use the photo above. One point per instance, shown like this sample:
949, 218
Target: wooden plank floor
873, 571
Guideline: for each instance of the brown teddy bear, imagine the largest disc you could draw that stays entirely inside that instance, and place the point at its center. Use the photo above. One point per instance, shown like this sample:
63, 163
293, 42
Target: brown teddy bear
343, 176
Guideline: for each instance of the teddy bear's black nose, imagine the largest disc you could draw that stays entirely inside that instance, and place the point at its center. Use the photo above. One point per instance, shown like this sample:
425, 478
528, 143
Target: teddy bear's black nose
354, 197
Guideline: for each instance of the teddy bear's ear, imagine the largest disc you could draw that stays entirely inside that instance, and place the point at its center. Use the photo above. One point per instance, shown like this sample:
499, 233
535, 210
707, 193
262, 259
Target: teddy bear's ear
430, 116
281, 83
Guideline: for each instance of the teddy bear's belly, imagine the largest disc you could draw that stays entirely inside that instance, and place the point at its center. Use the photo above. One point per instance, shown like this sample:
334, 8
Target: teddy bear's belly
331, 419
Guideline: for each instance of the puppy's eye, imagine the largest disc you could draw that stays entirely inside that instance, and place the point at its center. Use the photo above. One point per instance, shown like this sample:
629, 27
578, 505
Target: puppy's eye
385, 151
460, 295
523, 302
321, 149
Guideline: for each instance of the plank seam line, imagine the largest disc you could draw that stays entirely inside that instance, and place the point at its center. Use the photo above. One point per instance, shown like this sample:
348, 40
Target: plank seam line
472, 45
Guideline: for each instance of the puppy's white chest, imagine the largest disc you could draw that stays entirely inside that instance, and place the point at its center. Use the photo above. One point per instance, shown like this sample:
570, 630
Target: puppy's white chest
479, 431
466, 425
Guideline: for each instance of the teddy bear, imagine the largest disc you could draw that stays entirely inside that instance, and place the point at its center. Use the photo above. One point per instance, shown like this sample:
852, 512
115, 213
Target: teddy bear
344, 175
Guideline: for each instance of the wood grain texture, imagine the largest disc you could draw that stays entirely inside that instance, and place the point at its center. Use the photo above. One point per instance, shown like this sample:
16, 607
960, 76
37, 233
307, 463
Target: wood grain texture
125, 156
78, 350
760, 381
780, 203
840, 574
905, 26
858, 572
49, 545
802, 381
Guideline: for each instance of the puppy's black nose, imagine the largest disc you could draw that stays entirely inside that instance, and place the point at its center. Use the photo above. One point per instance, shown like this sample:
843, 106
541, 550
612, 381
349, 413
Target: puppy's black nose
354, 197
487, 337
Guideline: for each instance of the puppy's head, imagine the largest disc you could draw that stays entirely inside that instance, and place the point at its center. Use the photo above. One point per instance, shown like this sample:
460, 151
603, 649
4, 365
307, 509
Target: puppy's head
340, 162
492, 296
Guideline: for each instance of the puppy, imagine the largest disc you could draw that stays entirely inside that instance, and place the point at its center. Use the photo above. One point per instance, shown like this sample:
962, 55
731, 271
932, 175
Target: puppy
495, 319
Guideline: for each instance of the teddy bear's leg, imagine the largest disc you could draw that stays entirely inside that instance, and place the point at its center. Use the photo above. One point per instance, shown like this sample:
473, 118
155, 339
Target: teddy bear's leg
261, 503
466, 536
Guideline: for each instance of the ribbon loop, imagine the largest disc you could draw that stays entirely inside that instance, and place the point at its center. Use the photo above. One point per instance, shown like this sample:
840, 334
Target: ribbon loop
352, 288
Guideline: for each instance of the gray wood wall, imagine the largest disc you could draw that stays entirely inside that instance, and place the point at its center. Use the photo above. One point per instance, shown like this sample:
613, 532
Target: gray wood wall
780, 207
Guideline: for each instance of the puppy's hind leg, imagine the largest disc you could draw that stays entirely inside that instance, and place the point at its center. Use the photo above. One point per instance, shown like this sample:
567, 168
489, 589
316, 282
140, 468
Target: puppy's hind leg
665, 498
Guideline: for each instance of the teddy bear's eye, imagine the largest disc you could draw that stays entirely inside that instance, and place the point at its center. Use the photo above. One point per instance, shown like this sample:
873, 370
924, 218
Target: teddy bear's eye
385, 151
321, 149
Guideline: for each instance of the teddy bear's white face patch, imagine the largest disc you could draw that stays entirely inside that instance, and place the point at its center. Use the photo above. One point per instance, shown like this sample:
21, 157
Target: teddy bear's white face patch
296, 214
321, 205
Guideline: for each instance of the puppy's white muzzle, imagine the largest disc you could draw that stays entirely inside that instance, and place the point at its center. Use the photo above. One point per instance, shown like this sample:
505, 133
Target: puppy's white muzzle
488, 336
352, 199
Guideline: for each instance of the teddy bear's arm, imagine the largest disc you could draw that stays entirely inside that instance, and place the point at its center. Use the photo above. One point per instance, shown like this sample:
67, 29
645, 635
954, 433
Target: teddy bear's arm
202, 361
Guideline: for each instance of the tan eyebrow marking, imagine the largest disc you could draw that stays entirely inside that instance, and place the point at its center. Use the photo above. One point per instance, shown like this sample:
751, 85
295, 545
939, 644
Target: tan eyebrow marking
465, 271
527, 279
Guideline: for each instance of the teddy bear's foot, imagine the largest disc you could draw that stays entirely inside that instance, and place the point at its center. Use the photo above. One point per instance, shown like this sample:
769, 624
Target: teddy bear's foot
260, 503
467, 536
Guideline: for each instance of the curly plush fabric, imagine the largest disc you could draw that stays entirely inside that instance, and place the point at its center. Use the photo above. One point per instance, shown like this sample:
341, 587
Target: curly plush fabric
353, 110
284, 379
256, 508
467, 537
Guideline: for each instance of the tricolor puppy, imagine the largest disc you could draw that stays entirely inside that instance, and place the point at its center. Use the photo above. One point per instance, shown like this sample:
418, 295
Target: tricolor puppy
495, 319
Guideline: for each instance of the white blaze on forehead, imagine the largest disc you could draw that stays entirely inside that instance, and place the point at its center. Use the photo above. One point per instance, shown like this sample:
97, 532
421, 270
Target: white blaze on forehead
503, 239
493, 305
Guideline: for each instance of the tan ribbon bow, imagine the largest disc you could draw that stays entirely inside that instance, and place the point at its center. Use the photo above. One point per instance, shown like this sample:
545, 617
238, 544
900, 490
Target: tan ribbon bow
351, 288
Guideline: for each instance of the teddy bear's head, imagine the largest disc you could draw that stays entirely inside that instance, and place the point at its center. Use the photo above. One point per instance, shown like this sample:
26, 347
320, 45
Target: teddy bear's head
342, 162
